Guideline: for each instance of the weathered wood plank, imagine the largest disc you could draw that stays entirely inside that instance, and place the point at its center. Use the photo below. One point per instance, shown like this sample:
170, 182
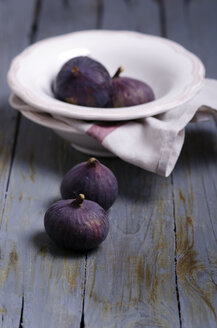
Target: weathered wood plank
202, 32
128, 282
195, 177
193, 24
131, 15
131, 278
10, 45
12, 18
65, 16
50, 281
196, 226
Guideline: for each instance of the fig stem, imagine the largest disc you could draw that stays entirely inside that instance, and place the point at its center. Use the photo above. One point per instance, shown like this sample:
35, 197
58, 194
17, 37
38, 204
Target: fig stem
79, 200
118, 72
75, 70
91, 161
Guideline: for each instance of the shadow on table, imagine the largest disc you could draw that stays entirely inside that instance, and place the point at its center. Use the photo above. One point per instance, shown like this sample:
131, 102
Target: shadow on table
40, 150
200, 147
44, 246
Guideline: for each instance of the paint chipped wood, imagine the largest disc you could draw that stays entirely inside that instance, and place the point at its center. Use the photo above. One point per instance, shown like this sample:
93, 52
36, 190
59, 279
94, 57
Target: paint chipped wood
50, 281
133, 271
195, 179
195, 244
11, 21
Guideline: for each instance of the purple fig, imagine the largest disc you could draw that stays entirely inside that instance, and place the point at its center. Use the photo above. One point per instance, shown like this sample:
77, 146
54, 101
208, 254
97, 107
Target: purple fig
76, 224
129, 92
93, 179
83, 81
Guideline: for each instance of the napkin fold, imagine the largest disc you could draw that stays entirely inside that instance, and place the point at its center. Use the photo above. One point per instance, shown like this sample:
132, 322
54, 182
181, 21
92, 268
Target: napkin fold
153, 143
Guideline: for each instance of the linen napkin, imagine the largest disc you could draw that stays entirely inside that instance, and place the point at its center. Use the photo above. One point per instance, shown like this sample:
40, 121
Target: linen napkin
152, 143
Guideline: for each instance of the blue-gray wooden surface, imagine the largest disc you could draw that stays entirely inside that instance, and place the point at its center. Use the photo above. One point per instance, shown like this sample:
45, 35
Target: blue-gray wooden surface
158, 266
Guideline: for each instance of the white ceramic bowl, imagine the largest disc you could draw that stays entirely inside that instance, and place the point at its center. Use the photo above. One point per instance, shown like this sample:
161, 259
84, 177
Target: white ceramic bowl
174, 73
78, 139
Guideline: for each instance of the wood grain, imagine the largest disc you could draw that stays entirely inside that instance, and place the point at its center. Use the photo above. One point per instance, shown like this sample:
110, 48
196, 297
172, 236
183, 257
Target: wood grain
12, 18
44, 284
131, 279
145, 274
132, 15
195, 178
51, 280
196, 227
60, 17
10, 45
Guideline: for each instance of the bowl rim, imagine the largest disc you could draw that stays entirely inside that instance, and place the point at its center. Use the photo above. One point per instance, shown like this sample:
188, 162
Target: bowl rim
106, 114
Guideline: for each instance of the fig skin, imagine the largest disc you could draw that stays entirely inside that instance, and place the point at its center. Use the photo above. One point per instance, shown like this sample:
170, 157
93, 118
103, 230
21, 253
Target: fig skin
76, 224
129, 92
93, 179
83, 81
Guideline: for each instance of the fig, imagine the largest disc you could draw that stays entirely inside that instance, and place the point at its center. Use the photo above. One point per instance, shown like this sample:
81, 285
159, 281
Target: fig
93, 179
83, 81
129, 92
76, 224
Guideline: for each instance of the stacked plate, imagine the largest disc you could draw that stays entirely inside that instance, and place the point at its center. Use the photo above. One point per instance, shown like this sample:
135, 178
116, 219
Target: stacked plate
174, 74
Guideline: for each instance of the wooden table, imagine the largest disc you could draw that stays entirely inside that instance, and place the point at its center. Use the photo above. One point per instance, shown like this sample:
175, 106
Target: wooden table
158, 266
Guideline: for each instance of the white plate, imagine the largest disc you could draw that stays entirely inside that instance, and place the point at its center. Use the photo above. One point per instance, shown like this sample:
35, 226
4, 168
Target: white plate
174, 73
